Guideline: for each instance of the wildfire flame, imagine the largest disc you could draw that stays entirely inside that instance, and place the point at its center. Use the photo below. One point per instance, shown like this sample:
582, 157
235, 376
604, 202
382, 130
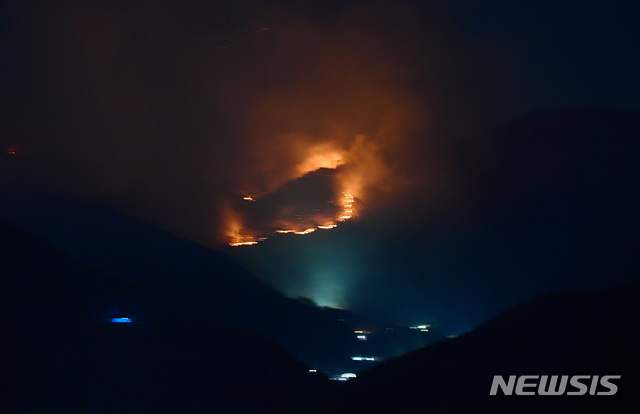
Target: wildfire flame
343, 175
321, 156
240, 236
344, 110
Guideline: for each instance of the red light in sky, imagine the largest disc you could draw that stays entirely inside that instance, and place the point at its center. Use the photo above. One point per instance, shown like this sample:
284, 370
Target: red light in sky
12, 150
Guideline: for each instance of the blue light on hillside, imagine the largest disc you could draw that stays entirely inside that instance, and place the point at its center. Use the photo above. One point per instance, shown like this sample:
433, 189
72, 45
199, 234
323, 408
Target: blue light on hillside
121, 320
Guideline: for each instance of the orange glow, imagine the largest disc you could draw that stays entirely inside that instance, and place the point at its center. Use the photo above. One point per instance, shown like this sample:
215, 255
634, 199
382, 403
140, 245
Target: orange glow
350, 126
350, 177
12, 150
347, 211
328, 227
352, 170
238, 235
321, 156
248, 243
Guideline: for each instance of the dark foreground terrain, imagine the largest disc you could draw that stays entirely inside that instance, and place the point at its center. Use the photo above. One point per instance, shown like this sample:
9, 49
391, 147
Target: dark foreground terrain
64, 355
559, 334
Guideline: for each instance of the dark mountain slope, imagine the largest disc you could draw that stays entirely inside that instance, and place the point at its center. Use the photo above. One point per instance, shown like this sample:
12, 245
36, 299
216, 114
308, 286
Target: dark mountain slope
64, 354
203, 278
545, 203
560, 334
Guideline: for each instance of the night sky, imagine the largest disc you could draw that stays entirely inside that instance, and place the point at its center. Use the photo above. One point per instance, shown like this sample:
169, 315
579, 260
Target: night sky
174, 111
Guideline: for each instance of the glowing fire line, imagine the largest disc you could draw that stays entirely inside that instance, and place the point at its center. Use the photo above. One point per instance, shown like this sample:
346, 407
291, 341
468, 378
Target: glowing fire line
238, 238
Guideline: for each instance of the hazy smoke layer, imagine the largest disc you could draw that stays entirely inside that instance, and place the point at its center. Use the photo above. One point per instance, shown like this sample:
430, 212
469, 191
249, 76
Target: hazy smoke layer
172, 111
188, 107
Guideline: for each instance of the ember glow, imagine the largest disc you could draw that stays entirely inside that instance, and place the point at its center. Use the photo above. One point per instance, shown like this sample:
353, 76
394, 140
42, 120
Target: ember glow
11, 150
327, 140
325, 189
236, 234
321, 156
289, 219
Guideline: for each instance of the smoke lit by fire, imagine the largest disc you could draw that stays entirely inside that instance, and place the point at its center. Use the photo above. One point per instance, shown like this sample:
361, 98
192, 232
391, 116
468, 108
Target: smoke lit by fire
326, 189
319, 198
216, 123
323, 138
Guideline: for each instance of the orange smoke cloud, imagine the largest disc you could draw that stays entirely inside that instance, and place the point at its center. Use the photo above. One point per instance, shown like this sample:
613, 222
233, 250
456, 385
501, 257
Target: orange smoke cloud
231, 111
332, 98
321, 156
356, 173
167, 112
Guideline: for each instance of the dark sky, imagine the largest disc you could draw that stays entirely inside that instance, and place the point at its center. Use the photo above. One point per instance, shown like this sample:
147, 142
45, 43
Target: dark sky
171, 110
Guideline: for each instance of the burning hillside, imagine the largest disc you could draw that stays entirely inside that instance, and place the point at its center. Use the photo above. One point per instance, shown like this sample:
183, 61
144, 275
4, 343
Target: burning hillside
315, 201
323, 192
